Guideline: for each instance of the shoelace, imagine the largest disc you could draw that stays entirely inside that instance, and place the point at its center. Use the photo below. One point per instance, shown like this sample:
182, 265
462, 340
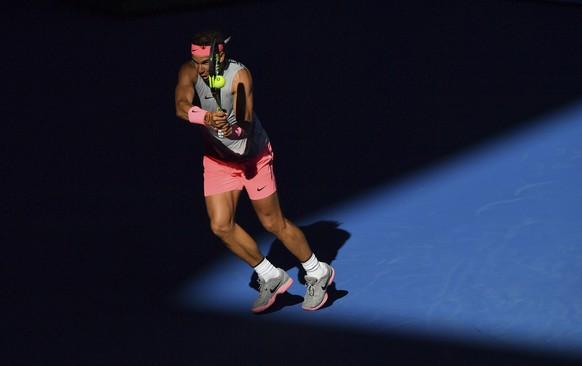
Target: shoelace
310, 289
262, 285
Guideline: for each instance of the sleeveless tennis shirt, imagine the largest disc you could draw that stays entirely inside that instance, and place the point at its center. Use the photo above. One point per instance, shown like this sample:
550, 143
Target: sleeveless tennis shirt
229, 149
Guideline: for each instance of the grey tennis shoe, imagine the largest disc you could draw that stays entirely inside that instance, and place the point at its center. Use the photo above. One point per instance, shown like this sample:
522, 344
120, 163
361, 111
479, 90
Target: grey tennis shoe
268, 291
316, 294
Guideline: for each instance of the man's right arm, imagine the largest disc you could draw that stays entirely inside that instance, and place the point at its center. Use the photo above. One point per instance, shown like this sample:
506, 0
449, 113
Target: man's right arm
184, 93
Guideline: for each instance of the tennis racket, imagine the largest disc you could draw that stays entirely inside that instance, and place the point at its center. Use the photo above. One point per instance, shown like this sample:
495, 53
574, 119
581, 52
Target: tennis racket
215, 80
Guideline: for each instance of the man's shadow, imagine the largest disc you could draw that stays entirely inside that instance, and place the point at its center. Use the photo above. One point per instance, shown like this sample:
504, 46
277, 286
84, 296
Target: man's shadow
325, 239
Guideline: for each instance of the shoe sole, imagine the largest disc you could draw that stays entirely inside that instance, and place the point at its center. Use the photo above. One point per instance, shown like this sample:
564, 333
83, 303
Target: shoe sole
324, 296
280, 290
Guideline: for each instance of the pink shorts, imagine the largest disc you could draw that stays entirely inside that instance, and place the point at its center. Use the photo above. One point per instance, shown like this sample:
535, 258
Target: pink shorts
256, 175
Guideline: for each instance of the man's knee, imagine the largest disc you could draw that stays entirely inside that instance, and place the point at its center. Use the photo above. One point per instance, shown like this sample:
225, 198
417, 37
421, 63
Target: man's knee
221, 228
273, 224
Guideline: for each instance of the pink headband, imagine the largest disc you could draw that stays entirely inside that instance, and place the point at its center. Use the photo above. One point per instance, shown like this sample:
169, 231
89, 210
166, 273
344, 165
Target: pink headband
202, 51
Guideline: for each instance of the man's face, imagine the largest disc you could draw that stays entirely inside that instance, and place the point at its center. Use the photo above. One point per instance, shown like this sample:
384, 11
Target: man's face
202, 64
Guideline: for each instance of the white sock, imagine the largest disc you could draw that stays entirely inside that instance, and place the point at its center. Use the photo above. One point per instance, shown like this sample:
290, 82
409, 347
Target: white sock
266, 270
314, 268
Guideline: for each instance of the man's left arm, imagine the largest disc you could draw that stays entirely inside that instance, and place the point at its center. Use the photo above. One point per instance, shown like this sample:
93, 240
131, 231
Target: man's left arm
242, 90
243, 97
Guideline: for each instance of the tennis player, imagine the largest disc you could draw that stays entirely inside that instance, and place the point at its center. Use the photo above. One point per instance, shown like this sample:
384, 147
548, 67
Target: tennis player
237, 156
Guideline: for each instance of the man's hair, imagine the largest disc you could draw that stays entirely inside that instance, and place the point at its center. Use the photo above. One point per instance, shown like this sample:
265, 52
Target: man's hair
205, 38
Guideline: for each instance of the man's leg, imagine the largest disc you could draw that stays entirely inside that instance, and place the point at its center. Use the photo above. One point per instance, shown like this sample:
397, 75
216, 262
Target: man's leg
221, 211
319, 275
272, 281
269, 213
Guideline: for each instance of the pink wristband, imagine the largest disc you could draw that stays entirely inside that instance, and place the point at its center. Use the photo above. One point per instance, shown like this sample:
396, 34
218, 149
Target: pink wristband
196, 115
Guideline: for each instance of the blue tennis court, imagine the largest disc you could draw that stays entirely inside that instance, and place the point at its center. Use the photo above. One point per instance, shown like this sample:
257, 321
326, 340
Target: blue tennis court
483, 248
